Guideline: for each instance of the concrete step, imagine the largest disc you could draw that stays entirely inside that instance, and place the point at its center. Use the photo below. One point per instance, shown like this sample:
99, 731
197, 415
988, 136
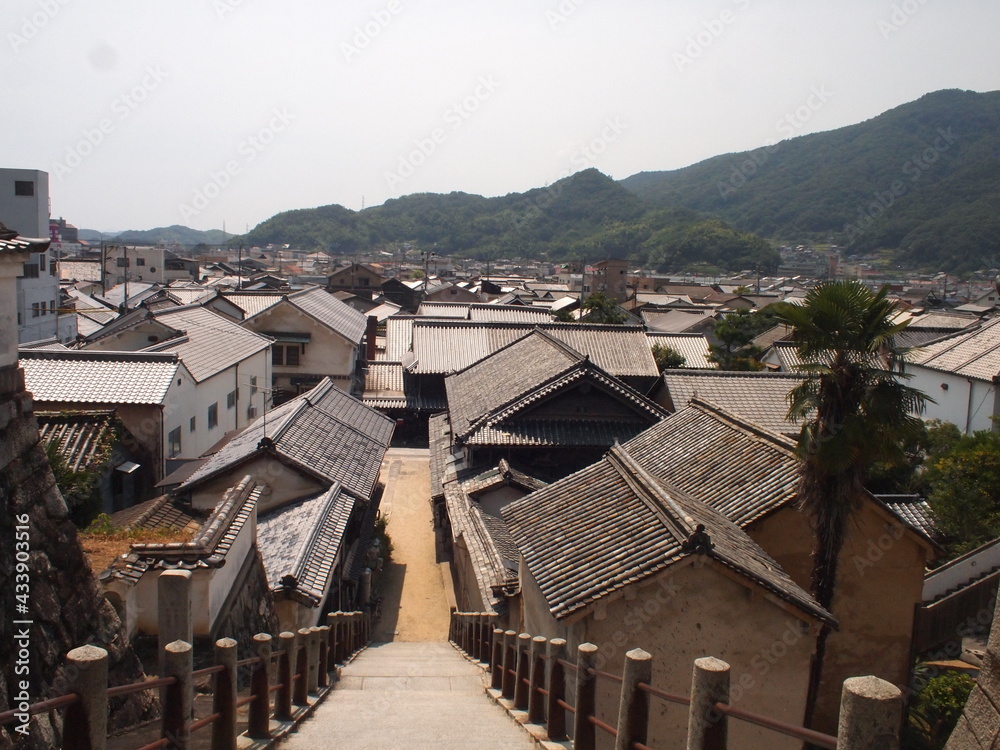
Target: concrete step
410, 695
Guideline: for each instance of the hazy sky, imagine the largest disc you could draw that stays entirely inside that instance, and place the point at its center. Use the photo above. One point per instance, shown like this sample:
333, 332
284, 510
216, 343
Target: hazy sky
200, 112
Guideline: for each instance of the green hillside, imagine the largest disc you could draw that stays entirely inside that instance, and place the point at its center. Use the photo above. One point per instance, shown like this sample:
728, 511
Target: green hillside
923, 178
586, 216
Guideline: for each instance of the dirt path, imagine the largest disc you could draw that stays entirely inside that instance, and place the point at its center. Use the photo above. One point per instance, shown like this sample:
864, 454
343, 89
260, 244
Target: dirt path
414, 603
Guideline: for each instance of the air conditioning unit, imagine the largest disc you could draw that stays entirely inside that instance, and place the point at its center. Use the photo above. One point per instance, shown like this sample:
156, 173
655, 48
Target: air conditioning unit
252, 412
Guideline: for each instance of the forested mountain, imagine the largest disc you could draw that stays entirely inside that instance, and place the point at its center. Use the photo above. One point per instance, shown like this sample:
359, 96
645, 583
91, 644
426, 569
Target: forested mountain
173, 234
923, 178
586, 216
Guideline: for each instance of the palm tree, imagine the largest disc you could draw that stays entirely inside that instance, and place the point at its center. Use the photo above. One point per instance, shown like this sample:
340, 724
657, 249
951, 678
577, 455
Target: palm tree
855, 412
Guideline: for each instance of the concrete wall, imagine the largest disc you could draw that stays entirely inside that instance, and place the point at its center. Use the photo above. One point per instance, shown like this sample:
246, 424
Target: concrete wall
966, 403
979, 726
692, 611
879, 584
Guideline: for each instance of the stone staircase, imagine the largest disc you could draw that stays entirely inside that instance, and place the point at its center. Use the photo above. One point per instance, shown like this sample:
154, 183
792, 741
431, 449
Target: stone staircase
410, 695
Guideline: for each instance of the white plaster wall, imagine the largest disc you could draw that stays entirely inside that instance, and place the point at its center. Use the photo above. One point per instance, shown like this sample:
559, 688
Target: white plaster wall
223, 579
968, 404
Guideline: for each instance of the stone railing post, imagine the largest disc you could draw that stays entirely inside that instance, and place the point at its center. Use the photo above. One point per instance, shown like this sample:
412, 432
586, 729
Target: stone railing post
224, 696
87, 721
178, 704
522, 671
707, 726
367, 619
509, 663
258, 722
452, 624
336, 639
870, 714
173, 610
556, 685
324, 656
485, 628
536, 701
584, 737
352, 638
313, 644
286, 669
300, 693
496, 660
633, 710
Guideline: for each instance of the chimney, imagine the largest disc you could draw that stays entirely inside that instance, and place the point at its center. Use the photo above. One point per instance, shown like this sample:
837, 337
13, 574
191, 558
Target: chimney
370, 331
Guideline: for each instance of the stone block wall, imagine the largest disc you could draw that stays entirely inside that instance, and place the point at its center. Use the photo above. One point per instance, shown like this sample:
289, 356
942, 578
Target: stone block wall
979, 726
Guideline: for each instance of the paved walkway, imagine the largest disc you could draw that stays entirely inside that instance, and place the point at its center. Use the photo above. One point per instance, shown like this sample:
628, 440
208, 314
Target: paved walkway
412, 696
414, 603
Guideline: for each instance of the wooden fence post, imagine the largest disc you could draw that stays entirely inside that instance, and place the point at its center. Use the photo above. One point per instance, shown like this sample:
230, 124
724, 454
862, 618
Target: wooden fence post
286, 668
633, 710
496, 660
870, 714
324, 656
556, 683
584, 737
708, 728
178, 662
336, 639
483, 634
522, 671
86, 724
312, 641
509, 663
258, 724
300, 693
536, 701
224, 696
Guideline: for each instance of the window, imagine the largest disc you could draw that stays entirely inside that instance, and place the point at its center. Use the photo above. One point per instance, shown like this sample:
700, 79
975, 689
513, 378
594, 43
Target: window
121, 262
253, 384
363, 281
193, 424
24, 187
231, 399
140, 261
213, 415
52, 268
174, 443
30, 271
285, 354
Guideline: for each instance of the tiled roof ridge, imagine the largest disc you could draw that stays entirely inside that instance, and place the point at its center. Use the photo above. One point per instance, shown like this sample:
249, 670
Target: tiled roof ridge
122, 323
780, 442
652, 493
204, 546
148, 513
305, 555
734, 374
99, 355
560, 345
159, 346
579, 370
231, 327
429, 322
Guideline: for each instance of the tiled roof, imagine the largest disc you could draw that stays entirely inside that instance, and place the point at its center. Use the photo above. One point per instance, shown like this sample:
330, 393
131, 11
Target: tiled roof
303, 540
209, 547
359, 559
94, 377
758, 397
675, 321
10, 243
499, 392
383, 311
787, 353
431, 309
324, 432
943, 321
137, 291
614, 524
736, 467
83, 439
338, 316
439, 439
253, 303
780, 332
485, 313
449, 346
972, 354
384, 379
693, 346
915, 511
211, 342
398, 337
162, 512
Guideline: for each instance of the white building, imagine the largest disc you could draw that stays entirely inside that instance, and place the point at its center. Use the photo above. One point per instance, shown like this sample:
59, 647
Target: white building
960, 373
155, 265
24, 208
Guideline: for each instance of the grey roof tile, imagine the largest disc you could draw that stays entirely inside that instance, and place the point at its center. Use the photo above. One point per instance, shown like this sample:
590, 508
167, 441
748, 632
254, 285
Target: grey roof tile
96, 377
694, 347
613, 523
973, 354
325, 432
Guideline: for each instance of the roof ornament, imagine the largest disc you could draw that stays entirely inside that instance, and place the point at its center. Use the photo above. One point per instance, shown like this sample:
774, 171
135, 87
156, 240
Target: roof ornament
265, 443
699, 542
289, 581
